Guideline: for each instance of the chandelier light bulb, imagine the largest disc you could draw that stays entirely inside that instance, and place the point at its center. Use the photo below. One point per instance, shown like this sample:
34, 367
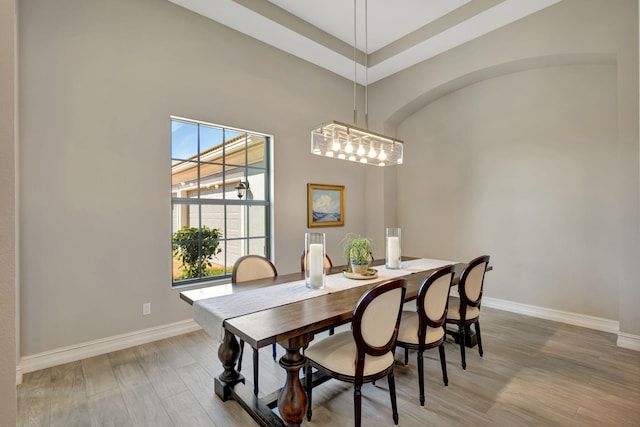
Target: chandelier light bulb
372, 152
348, 146
329, 153
352, 158
341, 156
335, 146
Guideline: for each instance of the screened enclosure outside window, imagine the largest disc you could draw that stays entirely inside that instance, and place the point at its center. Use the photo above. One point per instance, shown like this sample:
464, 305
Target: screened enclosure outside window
220, 197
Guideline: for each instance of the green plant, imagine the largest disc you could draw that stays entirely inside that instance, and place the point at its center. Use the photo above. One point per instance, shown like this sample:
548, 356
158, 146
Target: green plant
357, 250
195, 247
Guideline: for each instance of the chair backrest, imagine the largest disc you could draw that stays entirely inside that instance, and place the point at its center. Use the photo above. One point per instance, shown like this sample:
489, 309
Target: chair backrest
303, 262
433, 299
376, 320
472, 281
252, 267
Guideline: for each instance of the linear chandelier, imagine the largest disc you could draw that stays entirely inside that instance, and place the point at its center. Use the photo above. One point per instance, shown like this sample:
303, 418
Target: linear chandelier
348, 142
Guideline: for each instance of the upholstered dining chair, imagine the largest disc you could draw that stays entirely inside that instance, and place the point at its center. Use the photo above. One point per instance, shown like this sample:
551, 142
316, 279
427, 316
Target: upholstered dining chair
365, 353
246, 268
464, 310
424, 328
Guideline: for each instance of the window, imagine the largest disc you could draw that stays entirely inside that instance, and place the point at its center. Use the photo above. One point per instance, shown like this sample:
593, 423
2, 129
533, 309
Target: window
220, 197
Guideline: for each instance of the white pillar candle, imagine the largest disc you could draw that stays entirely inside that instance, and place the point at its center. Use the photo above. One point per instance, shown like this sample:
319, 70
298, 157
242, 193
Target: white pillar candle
315, 262
393, 251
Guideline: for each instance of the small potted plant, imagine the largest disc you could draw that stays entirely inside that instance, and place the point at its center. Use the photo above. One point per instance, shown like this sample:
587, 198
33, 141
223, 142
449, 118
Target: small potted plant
358, 252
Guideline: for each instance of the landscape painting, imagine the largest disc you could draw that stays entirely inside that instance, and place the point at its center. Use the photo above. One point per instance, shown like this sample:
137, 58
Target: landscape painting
325, 205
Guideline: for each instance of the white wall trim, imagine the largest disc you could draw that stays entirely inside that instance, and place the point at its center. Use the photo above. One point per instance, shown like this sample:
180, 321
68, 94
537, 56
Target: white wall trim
597, 323
625, 340
18, 375
629, 341
80, 351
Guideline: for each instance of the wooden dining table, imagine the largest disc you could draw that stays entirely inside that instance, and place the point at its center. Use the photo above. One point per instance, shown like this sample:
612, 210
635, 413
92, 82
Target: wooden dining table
293, 326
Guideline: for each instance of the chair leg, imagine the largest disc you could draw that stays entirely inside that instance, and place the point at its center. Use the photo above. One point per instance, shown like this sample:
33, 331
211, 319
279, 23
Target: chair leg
357, 404
421, 375
443, 363
273, 351
309, 382
477, 325
255, 371
392, 393
462, 331
406, 356
241, 354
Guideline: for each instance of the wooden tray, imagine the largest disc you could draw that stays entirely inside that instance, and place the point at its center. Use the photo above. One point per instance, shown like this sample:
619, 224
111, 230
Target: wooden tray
371, 273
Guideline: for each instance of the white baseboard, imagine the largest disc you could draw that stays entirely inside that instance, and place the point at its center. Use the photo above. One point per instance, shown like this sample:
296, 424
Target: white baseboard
597, 323
80, 351
629, 341
625, 340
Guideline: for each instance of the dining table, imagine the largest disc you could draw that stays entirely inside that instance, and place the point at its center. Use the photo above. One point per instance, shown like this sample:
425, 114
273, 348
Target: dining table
284, 310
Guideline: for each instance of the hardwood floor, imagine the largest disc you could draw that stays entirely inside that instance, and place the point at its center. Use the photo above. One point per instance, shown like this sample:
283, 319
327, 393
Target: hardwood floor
534, 373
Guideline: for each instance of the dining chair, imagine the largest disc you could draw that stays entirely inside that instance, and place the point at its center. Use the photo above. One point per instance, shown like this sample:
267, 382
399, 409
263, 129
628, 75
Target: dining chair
424, 328
464, 310
246, 268
328, 265
365, 353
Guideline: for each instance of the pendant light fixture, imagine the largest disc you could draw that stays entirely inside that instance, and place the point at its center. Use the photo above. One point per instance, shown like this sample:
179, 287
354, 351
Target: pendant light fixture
348, 142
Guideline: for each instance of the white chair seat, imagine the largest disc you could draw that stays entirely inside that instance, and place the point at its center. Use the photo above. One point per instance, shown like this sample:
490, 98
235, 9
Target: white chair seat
454, 310
338, 353
409, 329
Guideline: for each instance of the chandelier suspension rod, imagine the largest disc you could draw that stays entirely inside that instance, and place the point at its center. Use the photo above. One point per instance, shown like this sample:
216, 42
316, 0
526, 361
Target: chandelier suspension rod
366, 68
355, 65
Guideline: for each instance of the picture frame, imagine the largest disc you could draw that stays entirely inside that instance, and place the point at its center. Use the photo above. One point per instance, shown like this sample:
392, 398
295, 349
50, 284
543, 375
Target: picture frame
325, 205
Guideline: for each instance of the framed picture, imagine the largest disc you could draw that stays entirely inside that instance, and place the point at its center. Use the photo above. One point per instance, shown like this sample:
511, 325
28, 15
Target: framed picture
325, 205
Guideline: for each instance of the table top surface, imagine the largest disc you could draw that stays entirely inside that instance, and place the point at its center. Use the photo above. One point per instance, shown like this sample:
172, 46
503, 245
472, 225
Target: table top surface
304, 317
217, 290
308, 316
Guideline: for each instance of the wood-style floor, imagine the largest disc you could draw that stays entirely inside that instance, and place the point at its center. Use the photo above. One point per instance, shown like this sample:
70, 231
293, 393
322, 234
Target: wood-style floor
534, 373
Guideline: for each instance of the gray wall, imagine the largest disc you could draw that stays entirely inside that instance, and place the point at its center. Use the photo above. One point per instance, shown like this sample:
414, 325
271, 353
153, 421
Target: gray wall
521, 167
526, 148
98, 83
7, 215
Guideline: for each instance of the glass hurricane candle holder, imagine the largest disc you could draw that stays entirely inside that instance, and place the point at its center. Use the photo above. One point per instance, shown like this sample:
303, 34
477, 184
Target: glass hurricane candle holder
393, 256
314, 272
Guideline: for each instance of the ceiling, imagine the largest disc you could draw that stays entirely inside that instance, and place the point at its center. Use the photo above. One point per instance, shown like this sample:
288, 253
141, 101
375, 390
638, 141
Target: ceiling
398, 34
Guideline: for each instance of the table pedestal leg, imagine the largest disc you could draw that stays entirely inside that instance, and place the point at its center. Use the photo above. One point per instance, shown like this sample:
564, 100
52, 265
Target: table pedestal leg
470, 339
292, 402
228, 353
